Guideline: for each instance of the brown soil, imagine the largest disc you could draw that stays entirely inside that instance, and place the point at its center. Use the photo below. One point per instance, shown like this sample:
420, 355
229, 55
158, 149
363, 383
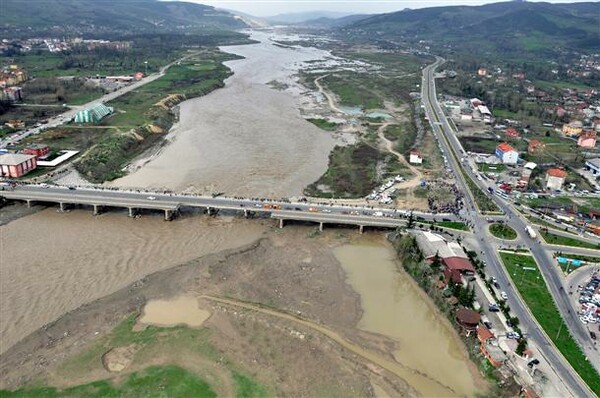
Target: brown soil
287, 271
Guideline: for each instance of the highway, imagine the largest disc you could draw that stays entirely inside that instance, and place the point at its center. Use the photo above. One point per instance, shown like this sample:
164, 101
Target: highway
315, 212
448, 141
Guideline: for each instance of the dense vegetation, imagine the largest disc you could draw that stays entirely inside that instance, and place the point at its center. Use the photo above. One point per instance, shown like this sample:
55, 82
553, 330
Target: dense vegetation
352, 172
503, 231
60, 17
514, 28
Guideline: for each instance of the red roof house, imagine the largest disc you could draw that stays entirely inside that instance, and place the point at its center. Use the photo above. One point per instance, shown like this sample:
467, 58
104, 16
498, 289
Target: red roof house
512, 133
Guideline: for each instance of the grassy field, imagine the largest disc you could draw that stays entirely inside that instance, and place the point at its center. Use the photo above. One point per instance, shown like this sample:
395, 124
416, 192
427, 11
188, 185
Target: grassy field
351, 174
491, 168
553, 239
403, 135
454, 225
533, 289
157, 381
323, 124
353, 90
503, 231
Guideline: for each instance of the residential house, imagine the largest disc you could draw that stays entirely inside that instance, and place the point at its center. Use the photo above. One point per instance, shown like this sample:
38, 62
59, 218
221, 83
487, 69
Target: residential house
511, 133
415, 157
507, 154
572, 129
12, 94
482, 72
587, 139
15, 124
527, 170
468, 319
14, 165
555, 178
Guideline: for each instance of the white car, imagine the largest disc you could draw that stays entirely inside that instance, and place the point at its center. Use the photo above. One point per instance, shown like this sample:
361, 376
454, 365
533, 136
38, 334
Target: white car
151, 198
504, 296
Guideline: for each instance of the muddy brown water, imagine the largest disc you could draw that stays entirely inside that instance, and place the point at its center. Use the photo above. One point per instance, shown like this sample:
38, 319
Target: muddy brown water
395, 307
52, 263
246, 138
182, 310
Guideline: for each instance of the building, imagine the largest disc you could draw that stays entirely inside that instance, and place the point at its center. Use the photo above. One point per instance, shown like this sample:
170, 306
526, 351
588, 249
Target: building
15, 124
484, 334
535, 147
138, 76
572, 129
415, 157
482, 72
507, 154
493, 353
593, 166
456, 267
468, 319
39, 151
433, 244
587, 139
93, 114
14, 165
527, 170
12, 94
555, 178
512, 133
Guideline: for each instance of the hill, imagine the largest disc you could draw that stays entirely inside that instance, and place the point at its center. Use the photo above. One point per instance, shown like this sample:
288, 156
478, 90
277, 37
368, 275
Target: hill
299, 17
20, 17
508, 27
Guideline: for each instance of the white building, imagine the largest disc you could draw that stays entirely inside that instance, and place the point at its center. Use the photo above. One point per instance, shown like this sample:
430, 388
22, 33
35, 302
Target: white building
507, 154
555, 178
415, 157
593, 166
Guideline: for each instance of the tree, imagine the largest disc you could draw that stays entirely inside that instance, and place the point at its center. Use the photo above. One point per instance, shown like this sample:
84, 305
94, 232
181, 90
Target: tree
436, 263
521, 347
411, 220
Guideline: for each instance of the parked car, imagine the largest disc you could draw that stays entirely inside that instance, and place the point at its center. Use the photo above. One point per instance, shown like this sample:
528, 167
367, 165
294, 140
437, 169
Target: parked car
593, 335
151, 198
533, 362
504, 295
493, 308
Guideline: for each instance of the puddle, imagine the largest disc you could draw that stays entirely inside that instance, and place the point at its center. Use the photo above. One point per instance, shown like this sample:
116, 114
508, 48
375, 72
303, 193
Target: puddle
182, 310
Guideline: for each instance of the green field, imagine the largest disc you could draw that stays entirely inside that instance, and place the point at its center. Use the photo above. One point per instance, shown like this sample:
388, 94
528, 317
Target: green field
403, 135
503, 231
454, 225
164, 380
491, 168
554, 239
533, 289
157, 381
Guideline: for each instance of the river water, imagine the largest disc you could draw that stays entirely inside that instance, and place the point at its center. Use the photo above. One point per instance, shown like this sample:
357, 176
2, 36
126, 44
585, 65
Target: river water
395, 307
247, 138
52, 263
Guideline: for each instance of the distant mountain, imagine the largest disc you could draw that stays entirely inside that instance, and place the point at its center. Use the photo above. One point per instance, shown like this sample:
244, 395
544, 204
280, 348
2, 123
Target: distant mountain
104, 16
509, 27
299, 17
335, 22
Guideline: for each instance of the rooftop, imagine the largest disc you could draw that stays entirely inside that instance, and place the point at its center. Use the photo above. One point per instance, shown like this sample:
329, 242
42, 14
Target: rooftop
504, 147
13, 159
560, 173
458, 263
594, 162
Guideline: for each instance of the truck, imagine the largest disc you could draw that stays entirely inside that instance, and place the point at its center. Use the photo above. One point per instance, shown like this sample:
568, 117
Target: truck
530, 232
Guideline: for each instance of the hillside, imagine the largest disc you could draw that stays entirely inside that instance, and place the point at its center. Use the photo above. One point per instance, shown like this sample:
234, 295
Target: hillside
508, 27
299, 17
19, 17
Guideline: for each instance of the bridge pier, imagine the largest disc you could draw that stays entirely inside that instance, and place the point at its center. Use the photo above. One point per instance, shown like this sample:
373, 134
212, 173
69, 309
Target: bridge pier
281, 223
62, 206
168, 215
29, 202
131, 212
360, 229
97, 210
321, 227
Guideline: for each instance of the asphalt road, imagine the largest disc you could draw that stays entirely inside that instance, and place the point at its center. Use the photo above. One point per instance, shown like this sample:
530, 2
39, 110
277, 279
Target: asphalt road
449, 143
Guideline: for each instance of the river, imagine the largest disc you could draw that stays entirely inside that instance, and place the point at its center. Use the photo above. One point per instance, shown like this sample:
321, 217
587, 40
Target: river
394, 306
247, 138
53, 263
